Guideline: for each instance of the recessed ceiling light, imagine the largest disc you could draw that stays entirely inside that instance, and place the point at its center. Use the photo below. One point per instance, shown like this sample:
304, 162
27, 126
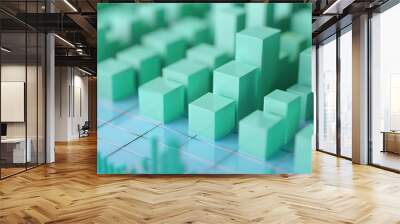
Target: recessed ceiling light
84, 71
70, 5
64, 40
5, 50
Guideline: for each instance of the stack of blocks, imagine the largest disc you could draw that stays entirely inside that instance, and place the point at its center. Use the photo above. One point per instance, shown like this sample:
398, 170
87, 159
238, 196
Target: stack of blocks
240, 88
259, 46
287, 106
145, 61
236, 81
194, 76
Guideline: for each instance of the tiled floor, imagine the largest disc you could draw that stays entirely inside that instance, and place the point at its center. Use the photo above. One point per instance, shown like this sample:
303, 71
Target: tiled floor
140, 145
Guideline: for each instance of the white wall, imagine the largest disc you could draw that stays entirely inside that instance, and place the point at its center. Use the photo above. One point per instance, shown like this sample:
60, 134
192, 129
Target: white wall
71, 87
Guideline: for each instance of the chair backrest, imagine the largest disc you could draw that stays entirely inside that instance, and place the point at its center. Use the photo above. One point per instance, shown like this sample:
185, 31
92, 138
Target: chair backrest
86, 125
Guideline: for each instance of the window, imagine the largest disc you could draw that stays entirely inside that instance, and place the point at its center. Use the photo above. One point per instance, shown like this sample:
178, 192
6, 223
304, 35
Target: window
327, 95
385, 89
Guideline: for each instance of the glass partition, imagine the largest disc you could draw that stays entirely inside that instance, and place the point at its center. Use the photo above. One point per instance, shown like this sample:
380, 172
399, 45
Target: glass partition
327, 95
22, 77
14, 153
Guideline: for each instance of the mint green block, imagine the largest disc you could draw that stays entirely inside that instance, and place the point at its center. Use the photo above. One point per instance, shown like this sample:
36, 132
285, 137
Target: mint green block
145, 60
212, 116
236, 80
287, 105
301, 23
304, 77
307, 98
154, 15
125, 31
103, 52
257, 14
286, 71
162, 100
302, 160
116, 80
261, 134
170, 45
260, 46
227, 22
194, 76
293, 43
274, 15
194, 30
207, 54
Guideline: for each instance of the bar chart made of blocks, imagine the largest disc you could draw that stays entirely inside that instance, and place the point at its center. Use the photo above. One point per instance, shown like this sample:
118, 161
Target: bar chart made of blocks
204, 88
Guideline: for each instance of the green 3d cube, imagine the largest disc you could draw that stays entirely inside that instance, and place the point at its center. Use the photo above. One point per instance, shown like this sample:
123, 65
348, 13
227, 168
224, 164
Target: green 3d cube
208, 55
286, 70
286, 105
237, 80
305, 68
170, 45
193, 75
212, 116
306, 97
259, 46
116, 79
145, 60
161, 99
153, 15
272, 15
293, 43
227, 22
194, 30
301, 23
261, 134
302, 160
257, 14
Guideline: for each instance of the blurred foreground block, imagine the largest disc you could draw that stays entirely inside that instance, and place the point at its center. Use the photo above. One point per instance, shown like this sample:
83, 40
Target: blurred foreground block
227, 22
208, 55
145, 60
170, 45
195, 30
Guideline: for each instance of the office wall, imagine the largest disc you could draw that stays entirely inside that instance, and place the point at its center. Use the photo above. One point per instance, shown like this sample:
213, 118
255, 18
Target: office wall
71, 102
17, 73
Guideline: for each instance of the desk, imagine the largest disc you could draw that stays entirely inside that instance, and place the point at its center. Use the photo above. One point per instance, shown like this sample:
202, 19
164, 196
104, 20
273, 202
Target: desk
16, 147
391, 141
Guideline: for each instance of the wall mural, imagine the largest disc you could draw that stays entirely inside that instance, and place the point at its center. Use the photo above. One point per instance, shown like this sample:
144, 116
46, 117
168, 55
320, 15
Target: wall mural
204, 88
